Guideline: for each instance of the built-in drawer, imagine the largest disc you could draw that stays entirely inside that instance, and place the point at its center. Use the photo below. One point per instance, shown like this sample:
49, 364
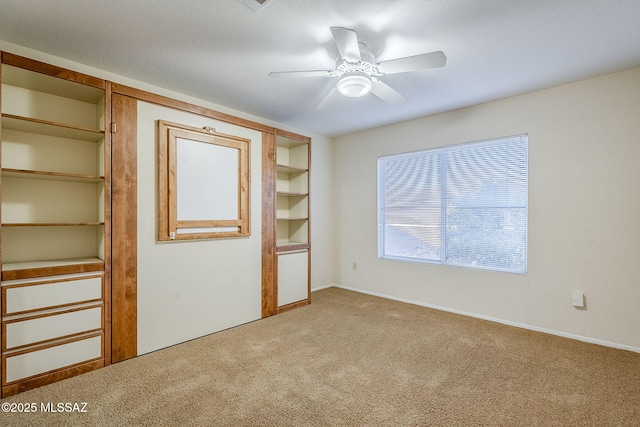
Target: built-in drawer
29, 363
39, 329
32, 296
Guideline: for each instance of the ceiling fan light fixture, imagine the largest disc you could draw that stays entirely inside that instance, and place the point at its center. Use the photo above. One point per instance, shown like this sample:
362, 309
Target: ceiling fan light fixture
354, 84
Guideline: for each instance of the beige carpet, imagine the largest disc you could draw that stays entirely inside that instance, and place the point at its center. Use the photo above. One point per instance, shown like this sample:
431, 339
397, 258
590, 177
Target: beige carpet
355, 360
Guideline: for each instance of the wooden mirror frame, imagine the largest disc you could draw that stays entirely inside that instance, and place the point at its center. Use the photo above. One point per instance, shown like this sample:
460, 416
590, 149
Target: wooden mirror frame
170, 226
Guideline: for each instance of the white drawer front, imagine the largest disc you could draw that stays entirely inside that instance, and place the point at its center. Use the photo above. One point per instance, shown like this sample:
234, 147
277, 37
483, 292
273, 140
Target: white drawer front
33, 297
293, 277
50, 327
48, 359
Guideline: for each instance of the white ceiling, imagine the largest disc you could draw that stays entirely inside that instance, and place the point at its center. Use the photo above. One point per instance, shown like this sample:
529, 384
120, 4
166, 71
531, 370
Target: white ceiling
222, 51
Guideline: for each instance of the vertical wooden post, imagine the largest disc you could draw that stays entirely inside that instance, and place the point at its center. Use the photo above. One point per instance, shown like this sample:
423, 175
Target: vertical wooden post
124, 268
269, 261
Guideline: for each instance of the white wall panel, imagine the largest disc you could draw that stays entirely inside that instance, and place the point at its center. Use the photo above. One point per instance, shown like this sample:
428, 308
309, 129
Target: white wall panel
190, 289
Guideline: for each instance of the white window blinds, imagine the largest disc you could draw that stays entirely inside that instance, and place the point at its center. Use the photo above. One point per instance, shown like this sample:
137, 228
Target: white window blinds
463, 205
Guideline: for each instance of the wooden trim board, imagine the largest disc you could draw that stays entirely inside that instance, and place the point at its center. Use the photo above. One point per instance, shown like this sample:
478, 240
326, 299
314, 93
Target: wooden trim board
124, 297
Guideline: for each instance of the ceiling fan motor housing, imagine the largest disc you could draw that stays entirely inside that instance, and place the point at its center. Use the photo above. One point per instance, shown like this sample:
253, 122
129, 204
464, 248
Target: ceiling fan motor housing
354, 84
366, 65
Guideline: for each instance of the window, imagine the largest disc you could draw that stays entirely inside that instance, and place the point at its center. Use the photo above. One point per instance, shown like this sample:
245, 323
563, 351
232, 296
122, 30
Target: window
463, 205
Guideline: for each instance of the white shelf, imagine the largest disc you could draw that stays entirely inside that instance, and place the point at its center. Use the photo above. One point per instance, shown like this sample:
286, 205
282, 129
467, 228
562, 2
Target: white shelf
292, 193
290, 169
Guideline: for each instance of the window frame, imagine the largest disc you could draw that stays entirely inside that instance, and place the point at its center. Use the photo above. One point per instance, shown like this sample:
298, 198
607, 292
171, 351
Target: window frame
442, 152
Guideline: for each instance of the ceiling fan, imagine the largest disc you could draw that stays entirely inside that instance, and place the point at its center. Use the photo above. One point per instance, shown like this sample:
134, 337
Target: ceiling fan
358, 72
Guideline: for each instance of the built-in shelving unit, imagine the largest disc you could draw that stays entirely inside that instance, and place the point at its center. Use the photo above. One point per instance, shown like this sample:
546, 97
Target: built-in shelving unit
292, 193
55, 221
53, 165
292, 220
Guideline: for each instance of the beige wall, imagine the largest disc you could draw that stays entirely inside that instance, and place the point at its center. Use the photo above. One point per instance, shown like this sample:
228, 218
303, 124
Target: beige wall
584, 210
321, 213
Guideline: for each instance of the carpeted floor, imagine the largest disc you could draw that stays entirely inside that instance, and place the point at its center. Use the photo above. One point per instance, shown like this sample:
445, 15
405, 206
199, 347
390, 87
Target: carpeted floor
350, 359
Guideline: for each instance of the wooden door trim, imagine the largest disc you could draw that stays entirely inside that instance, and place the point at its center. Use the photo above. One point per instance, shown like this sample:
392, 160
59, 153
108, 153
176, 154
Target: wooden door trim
189, 108
106, 284
52, 70
124, 226
269, 259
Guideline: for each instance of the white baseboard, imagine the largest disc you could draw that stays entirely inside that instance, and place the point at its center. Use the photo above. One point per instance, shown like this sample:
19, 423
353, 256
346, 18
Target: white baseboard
493, 319
330, 285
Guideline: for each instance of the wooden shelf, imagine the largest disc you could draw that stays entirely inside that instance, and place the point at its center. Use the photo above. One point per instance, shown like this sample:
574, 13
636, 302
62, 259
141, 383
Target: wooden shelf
27, 270
45, 127
301, 218
55, 176
287, 246
53, 224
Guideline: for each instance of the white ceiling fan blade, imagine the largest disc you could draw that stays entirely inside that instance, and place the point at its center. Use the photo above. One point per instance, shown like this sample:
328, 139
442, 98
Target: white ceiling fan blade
347, 42
310, 73
386, 92
331, 96
413, 63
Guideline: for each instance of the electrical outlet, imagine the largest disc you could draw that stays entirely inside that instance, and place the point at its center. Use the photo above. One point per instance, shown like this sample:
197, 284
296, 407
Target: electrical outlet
577, 299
